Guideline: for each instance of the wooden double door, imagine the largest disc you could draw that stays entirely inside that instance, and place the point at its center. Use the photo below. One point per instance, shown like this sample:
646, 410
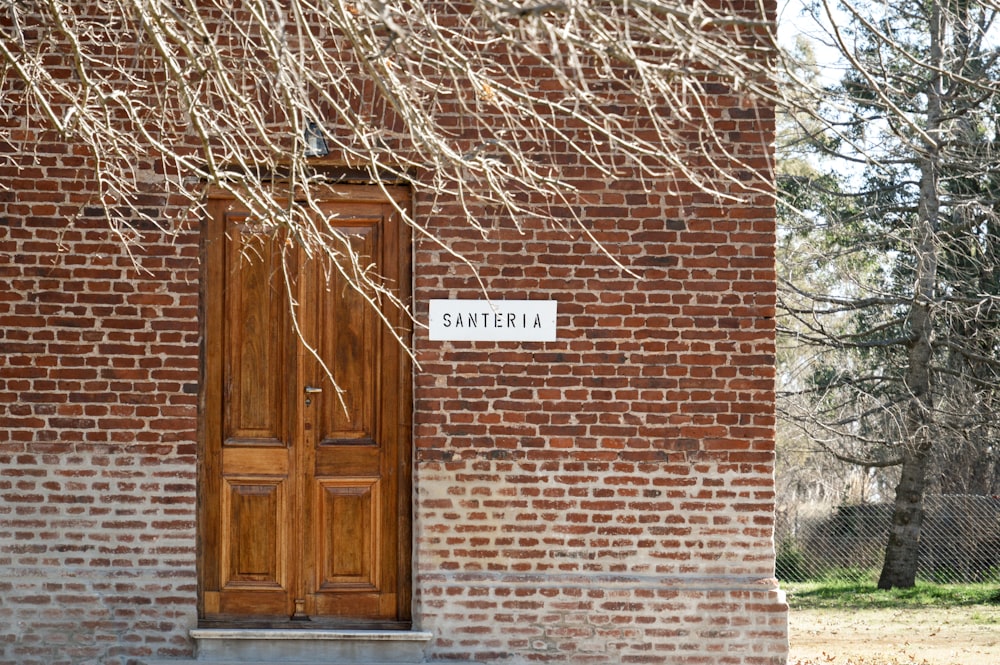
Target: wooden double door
304, 515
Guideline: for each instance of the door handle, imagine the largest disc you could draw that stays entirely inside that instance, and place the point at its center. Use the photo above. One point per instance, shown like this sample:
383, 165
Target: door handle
310, 391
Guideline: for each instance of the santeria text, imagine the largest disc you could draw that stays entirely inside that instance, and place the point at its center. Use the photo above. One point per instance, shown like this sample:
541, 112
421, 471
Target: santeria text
490, 319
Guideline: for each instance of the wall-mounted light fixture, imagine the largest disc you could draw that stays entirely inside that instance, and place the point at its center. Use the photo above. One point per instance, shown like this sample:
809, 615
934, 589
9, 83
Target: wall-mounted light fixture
315, 142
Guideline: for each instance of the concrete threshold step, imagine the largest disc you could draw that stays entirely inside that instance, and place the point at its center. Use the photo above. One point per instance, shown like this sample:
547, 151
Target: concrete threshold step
309, 647
305, 647
190, 661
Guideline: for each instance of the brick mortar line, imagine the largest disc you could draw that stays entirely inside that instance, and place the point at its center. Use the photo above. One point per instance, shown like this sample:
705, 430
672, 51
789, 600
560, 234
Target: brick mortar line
666, 582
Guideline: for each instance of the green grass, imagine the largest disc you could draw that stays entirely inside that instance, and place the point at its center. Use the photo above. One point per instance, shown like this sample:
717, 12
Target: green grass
864, 595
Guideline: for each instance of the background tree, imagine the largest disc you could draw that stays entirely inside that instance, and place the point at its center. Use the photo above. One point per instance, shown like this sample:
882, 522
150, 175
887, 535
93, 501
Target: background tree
900, 208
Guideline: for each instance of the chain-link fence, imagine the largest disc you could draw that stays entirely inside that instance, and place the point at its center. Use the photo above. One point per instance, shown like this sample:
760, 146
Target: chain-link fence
959, 542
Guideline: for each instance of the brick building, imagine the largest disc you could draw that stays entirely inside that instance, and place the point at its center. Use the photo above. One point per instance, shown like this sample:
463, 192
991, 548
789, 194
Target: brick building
177, 479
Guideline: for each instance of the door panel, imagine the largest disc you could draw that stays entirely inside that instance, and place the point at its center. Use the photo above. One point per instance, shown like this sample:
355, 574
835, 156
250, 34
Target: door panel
349, 337
304, 500
350, 540
253, 545
256, 355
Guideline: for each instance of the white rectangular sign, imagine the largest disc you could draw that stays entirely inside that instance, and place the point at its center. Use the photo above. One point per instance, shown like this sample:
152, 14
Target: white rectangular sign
493, 320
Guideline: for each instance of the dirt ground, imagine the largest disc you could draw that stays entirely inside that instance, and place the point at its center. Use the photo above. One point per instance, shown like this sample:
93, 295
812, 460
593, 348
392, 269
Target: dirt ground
956, 636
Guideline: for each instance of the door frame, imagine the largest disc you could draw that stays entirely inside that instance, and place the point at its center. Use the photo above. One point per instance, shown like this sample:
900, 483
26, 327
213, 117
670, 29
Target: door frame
210, 327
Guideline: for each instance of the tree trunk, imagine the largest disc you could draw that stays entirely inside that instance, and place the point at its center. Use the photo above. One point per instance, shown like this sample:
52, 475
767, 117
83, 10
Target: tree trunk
900, 567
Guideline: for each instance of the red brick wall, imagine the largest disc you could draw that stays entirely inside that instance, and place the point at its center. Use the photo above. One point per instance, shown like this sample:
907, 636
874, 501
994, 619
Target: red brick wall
98, 392
603, 498
606, 497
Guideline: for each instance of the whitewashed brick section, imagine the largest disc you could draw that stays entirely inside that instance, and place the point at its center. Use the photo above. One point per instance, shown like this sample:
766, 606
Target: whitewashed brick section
513, 569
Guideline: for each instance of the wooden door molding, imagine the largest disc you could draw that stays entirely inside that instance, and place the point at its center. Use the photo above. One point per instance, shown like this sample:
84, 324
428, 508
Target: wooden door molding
304, 499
